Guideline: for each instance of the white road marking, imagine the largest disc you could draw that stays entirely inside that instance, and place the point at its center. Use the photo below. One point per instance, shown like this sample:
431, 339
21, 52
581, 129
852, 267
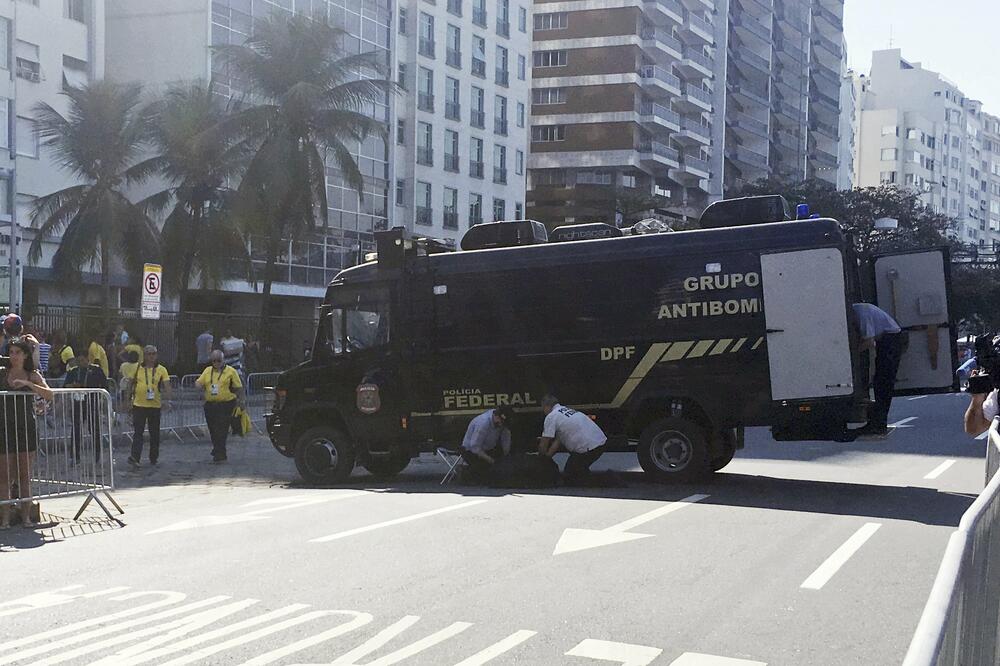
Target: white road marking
574, 539
360, 620
832, 565
399, 655
919, 397
625, 654
984, 435
939, 470
40, 600
902, 423
395, 521
697, 659
267, 506
498, 648
102, 593
378, 640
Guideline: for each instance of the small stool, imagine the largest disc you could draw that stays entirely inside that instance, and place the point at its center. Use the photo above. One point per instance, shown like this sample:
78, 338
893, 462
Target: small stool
453, 459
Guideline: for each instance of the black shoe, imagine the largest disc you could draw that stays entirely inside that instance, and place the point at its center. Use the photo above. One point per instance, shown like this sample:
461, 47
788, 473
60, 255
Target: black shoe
218, 459
154, 461
132, 461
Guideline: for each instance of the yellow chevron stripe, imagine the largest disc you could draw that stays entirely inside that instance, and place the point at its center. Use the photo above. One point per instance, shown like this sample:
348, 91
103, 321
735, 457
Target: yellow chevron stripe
701, 348
739, 345
720, 347
677, 350
642, 369
759, 342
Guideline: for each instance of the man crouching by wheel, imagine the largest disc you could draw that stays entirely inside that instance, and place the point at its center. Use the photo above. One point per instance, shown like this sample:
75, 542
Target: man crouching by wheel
568, 430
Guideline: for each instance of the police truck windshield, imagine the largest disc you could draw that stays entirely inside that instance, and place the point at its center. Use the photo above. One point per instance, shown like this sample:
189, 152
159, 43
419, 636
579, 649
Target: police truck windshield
354, 327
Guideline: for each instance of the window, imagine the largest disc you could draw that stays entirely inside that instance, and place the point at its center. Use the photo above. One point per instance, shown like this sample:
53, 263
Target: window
546, 133
423, 203
426, 35
27, 141
500, 114
401, 75
890, 130
400, 192
5, 106
76, 73
552, 21
520, 114
401, 132
475, 209
425, 144
549, 58
478, 56
476, 157
450, 205
888, 154
355, 326
28, 61
479, 12
499, 209
499, 164
522, 68
887, 177
478, 107
455, 7
551, 177
503, 75
956, 142
4, 43
75, 10
518, 211
522, 19
450, 151
519, 163
402, 21
425, 89
452, 109
503, 18
548, 96
453, 46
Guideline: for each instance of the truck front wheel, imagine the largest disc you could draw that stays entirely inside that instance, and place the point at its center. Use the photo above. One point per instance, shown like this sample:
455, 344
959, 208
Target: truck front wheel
674, 450
324, 455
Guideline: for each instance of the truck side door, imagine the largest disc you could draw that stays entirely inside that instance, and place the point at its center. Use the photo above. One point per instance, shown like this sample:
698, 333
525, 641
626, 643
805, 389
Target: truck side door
915, 288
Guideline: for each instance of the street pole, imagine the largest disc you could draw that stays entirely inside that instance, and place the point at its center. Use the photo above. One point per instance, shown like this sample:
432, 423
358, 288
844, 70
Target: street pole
12, 181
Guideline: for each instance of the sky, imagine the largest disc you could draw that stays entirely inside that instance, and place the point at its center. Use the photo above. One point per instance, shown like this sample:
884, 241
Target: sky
960, 39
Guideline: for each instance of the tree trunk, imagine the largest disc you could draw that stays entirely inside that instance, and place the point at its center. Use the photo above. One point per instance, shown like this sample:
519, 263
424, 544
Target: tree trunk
105, 281
272, 257
196, 216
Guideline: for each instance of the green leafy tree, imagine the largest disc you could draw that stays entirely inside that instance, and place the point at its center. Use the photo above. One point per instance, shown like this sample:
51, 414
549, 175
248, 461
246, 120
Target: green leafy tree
99, 143
308, 108
202, 245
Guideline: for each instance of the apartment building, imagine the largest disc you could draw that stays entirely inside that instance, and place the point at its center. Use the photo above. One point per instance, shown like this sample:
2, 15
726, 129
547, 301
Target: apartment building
918, 130
989, 222
460, 133
158, 43
686, 99
46, 45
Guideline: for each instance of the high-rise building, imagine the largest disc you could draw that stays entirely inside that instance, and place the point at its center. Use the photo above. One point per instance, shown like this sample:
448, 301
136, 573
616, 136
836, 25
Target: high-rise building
990, 224
44, 46
918, 130
158, 43
460, 133
683, 99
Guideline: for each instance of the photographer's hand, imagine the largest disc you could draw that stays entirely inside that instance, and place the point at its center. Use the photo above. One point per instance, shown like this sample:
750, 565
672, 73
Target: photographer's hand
975, 420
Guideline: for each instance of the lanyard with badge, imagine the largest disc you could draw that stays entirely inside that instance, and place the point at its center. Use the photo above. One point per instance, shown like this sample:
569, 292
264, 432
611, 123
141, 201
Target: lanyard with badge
213, 388
150, 392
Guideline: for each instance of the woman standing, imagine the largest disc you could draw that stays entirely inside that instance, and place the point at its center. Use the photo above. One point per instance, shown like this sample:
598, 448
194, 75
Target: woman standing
17, 413
150, 384
223, 391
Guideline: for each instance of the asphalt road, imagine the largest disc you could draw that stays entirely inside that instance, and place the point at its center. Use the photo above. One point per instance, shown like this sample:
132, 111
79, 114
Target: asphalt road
797, 553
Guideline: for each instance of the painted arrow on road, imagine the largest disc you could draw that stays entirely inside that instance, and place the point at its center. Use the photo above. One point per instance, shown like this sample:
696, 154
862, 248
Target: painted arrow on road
573, 539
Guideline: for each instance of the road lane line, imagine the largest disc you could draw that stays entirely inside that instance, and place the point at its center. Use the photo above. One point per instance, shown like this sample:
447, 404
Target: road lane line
395, 521
902, 423
624, 654
832, 565
644, 518
939, 470
498, 648
919, 397
697, 659
984, 435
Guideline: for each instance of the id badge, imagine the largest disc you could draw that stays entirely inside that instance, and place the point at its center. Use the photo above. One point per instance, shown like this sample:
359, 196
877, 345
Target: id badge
213, 389
150, 394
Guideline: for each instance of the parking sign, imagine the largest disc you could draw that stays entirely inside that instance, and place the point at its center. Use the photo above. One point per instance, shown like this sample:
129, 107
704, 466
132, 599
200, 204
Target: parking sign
152, 286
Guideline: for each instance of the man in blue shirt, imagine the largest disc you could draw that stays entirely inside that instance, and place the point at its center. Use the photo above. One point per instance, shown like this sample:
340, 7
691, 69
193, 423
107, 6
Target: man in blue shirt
487, 439
879, 330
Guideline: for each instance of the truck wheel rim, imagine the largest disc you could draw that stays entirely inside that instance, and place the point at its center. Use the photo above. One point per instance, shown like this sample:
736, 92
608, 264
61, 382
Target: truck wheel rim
321, 456
671, 451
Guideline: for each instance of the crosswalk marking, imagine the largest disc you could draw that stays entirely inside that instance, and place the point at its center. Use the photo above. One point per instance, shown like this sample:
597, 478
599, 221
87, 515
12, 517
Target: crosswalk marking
497, 649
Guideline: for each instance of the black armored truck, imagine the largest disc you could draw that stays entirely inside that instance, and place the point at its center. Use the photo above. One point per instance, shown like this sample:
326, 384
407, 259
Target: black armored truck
675, 342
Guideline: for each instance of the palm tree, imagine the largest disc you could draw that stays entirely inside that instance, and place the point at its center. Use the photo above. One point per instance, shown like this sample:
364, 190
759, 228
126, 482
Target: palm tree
199, 237
308, 109
98, 142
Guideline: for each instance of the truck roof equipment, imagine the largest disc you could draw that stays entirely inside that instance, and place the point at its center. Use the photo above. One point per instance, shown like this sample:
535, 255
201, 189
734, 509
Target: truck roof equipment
504, 234
746, 211
575, 232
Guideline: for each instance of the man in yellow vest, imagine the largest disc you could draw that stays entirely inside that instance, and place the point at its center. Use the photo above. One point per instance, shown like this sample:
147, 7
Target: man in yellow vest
223, 392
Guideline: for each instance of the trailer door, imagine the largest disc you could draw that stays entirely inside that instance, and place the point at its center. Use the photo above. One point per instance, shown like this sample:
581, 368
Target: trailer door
914, 287
805, 311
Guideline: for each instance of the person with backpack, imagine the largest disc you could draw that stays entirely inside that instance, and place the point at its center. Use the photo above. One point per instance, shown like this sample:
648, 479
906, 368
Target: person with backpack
86, 407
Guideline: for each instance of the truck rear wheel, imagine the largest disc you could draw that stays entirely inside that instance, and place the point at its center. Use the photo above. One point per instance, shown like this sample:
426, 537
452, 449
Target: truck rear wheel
324, 455
674, 450
725, 450
388, 466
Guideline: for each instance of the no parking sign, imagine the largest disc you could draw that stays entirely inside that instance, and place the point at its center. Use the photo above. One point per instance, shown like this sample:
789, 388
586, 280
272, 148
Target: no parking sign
152, 287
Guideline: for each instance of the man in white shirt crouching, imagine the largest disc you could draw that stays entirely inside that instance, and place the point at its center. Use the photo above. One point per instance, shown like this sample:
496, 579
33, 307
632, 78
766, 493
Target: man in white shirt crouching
568, 430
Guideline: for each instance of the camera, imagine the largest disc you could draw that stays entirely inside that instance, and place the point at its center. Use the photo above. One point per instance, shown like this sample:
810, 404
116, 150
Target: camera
988, 360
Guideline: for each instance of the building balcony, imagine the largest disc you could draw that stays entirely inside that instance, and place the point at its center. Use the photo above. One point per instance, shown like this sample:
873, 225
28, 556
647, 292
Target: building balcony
475, 169
830, 22
700, 5
670, 10
425, 102
793, 113
450, 219
455, 7
693, 99
655, 152
693, 166
822, 158
748, 25
452, 110
693, 133
453, 58
425, 156
748, 125
478, 119
500, 126
750, 93
479, 16
824, 103
750, 157
659, 82
502, 77
451, 162
499, 176
791, 21
694, 65
697, 30
831, 47
657, 117
503, 27
479, 68
424, 215
425, 47
824, 82
661, 40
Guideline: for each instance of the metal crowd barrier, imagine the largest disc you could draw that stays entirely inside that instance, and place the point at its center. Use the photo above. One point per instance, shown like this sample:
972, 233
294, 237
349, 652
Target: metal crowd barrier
960, 624
57, 448
259, 396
